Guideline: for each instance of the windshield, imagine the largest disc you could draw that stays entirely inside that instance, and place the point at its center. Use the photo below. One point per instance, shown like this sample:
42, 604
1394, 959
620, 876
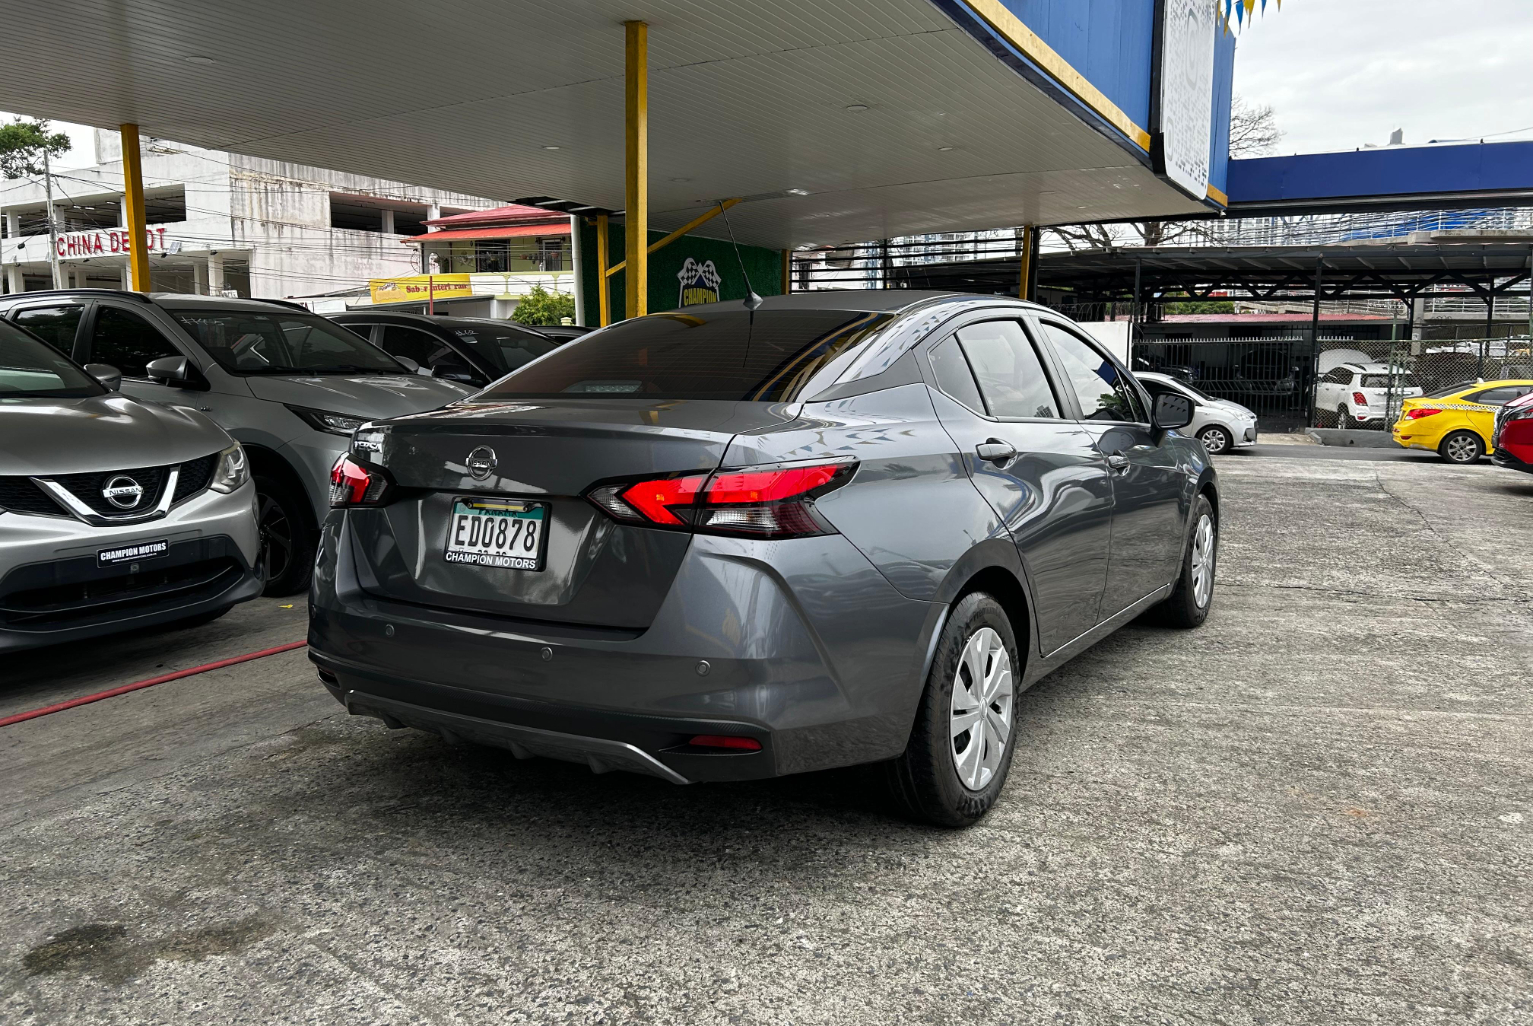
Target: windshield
30, 368
767, 356
502, 346
256, 342
1383, 381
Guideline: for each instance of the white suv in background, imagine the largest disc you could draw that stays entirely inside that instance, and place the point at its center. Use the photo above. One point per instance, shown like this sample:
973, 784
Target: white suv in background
1221, 425
1357, 394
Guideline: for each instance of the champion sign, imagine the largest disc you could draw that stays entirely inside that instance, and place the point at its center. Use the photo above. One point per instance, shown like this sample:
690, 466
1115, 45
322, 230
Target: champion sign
84, 244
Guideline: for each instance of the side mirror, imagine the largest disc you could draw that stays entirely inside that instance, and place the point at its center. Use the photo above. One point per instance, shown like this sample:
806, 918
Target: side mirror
175, 371
1172, 411
452, 370
109, 377
409, 364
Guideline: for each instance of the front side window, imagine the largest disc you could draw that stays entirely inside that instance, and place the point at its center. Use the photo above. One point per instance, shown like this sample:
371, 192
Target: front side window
127, 341
55, 325
256, 342
1008, 370
763, 356
1101, 388
31, 368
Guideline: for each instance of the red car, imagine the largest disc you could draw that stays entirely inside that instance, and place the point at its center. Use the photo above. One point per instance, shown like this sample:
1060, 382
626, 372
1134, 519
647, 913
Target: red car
1512, 439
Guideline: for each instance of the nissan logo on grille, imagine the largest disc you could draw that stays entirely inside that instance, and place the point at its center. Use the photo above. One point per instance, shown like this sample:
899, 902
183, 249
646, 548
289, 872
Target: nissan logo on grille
481, 462
123, 492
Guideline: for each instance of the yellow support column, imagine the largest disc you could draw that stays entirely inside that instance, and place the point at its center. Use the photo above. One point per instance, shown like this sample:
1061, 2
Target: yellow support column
133, 206
603, 286
636, 130
1025, 282
787, 271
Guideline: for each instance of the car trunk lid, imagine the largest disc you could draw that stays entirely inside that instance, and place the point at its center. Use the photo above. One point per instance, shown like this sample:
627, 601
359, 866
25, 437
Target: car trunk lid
595, 572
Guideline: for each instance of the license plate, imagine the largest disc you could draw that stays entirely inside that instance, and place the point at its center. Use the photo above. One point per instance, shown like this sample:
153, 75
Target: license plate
506, 533
132, 553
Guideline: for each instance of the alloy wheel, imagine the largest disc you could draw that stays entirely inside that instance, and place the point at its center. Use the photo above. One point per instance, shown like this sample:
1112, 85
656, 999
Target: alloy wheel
1215, 440
277, 528
981, 712
1203, 554
1462, 449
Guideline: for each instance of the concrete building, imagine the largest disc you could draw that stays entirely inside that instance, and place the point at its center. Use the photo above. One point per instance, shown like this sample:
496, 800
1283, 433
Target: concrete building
219, 222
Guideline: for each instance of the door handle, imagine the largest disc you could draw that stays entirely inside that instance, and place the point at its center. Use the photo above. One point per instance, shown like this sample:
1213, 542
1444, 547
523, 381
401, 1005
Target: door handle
993, 450
1118, 461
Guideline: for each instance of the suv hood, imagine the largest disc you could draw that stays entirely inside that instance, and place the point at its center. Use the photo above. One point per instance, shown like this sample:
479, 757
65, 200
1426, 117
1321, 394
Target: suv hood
370, 396
109, 432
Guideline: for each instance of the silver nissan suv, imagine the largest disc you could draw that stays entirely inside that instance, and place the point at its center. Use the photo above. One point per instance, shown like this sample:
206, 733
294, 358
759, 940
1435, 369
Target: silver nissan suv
115, 514
288, 385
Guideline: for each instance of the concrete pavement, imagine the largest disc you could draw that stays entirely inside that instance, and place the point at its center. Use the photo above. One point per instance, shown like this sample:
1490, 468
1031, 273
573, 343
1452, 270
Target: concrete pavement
1315, 809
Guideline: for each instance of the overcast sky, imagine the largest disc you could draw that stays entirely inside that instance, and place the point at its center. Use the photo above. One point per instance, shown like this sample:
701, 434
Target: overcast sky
1342, 73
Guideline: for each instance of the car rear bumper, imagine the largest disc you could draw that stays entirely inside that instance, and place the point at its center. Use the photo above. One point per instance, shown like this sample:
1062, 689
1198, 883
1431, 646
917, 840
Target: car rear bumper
739, 647
53, 589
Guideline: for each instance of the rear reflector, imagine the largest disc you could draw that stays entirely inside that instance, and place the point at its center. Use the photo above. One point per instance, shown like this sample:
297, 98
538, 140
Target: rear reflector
773, 501
739, 744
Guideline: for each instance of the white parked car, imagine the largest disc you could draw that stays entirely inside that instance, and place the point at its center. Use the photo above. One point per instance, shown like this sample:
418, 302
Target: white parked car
1357, 394
1219, 424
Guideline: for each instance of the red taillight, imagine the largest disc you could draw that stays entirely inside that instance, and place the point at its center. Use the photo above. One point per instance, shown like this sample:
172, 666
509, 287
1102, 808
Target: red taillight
1420, 412
352, 484
761, 502
1359, 399
654, 499
730, 741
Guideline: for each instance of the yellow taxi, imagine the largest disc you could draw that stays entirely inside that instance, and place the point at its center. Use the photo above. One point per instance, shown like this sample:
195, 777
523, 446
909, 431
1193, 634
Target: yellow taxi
1456, 422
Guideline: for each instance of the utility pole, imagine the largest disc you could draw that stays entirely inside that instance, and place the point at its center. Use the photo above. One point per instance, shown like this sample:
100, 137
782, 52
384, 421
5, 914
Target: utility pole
53, 235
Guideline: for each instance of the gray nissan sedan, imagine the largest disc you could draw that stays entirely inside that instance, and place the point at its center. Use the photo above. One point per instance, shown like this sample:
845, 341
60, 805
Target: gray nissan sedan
115, 514
726, 542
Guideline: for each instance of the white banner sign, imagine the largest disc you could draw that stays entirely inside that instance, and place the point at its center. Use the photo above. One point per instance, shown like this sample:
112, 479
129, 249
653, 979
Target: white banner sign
1187, 37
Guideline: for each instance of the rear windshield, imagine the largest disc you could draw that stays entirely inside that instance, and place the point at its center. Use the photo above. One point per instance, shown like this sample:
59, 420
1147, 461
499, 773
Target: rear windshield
767, 356
505, 348
1384, 381
256, 342
1447, 390
29, 367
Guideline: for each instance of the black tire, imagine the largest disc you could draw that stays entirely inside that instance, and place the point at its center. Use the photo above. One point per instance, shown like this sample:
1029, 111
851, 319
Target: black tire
287, 539
924, 781
1225, 442
1461, 448
1184, 609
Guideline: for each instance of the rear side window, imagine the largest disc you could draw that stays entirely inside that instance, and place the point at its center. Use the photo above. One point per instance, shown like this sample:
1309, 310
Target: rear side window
954, 378
767, 356
127, 341
1385, 381
1499, 396
55, 325
1008, 370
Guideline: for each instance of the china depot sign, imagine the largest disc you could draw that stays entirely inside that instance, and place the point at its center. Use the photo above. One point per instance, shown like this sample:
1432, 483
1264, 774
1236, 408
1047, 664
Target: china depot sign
105, 243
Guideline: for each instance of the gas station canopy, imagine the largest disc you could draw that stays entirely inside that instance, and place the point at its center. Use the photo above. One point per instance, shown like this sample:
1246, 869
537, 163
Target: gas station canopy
835, 121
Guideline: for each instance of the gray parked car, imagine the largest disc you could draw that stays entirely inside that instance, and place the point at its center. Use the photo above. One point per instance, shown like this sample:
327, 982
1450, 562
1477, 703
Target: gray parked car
288, 385
726, 543
115, 514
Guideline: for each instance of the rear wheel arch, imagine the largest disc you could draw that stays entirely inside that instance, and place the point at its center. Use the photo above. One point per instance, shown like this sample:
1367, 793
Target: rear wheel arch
1001, 584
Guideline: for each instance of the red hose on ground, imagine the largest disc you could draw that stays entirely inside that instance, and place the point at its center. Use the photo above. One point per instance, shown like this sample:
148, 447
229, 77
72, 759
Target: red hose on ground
151, 682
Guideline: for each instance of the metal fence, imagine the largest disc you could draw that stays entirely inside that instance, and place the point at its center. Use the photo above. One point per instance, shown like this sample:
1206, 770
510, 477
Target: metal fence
1419, 367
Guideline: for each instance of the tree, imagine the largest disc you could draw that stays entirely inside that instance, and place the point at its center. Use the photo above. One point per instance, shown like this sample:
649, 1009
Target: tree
23, 145
543, 307
1253, 129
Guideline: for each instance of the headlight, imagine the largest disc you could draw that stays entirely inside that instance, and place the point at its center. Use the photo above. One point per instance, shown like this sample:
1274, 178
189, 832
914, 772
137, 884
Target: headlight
331, 423
233, 470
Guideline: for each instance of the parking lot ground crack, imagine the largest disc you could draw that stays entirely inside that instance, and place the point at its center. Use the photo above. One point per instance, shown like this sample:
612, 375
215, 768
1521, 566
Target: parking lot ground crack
1448, 542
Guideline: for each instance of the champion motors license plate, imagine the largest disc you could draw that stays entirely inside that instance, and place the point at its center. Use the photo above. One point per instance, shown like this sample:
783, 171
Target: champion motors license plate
132, 553
505, 533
